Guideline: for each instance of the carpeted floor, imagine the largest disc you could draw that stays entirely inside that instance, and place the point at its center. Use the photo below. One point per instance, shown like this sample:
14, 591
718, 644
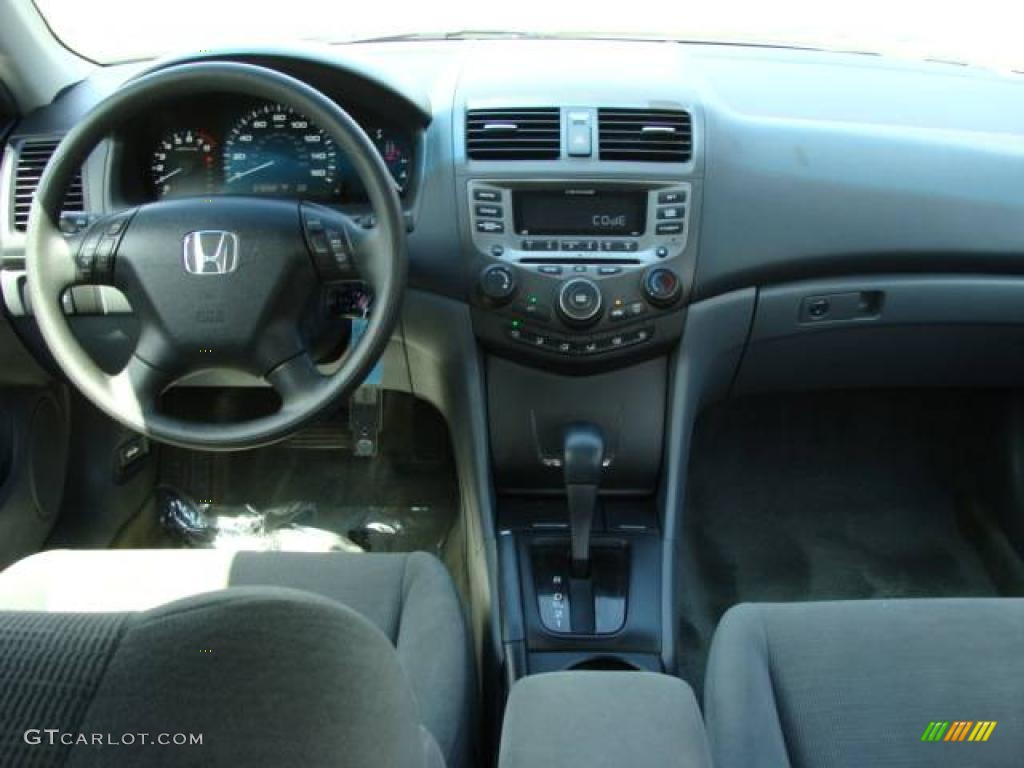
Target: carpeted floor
404, 499
829, 496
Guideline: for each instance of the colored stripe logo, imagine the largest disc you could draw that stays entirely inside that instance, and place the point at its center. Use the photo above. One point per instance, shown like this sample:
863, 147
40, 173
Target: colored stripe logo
959, 730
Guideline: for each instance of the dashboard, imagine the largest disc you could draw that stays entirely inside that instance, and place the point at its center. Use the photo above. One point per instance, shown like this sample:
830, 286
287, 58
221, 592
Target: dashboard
231, 146
539, 199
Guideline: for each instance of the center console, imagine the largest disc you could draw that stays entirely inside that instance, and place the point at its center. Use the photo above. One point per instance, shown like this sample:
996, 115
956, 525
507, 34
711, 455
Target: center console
580, 293
580, 274
579, 229
586, 719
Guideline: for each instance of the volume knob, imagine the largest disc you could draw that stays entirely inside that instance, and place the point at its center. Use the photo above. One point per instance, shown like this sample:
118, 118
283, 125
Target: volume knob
579, 301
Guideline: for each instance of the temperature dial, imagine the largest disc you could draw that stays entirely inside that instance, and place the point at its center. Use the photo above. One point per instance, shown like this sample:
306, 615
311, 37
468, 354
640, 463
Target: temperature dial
662, 287
497, 283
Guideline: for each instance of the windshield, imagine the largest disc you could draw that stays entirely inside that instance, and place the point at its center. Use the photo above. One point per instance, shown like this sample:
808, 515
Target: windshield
984, 32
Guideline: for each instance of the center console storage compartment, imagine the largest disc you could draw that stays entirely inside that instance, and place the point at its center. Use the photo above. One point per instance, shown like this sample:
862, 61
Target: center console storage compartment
583, 719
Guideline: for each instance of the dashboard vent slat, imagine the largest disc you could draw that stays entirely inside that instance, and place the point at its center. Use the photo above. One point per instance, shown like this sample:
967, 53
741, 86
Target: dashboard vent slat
514, 134
645, 135
33, 156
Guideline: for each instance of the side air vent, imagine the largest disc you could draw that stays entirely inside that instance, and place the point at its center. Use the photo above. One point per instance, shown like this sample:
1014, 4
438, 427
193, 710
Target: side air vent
513, 134
645, 135
32, 159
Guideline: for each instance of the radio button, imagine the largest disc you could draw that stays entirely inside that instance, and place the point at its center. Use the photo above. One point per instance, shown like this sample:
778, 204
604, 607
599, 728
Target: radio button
608, 270
669, 228
490, 227
550, 269
540, 245
491, 211
668, 198
579, 245
620, 246
673, 212
487, 195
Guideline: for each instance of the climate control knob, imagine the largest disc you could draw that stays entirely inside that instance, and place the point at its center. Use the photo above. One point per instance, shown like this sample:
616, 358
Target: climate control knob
579, 301
662, 287
497, 283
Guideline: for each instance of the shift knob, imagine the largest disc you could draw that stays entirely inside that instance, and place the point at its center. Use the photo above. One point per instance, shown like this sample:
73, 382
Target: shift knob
583, 457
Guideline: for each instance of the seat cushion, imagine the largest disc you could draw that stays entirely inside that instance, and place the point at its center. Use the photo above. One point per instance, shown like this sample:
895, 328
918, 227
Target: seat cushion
408, 597
248, 676
858, 683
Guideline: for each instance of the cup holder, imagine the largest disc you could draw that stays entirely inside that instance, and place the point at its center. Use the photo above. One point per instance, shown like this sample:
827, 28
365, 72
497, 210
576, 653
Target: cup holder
606, 664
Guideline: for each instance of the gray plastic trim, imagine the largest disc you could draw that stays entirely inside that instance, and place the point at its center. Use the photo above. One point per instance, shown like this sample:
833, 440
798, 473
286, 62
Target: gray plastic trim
938, 330
701, 372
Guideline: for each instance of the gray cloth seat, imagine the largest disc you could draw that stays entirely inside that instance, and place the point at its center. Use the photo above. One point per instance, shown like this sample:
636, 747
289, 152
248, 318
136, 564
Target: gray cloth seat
858, 683
249, 676
407, 597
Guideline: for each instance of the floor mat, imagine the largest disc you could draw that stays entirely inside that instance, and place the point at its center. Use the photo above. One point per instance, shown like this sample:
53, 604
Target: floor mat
311, 492
827, 496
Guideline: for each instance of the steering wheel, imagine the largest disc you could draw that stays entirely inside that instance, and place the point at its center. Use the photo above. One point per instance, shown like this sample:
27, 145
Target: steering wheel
218, 282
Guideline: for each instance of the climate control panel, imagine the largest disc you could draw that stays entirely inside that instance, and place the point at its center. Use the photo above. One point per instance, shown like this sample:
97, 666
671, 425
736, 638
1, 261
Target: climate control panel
577, 315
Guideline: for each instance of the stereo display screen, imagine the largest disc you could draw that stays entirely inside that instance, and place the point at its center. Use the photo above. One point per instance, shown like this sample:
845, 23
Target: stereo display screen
590, 212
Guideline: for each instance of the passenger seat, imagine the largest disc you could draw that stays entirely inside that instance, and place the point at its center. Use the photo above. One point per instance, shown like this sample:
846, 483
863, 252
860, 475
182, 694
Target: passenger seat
868, 683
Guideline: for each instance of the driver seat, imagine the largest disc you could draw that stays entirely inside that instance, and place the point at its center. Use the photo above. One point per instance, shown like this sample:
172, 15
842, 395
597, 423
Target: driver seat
408, 599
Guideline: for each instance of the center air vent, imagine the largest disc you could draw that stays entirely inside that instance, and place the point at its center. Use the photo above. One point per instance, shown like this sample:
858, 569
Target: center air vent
645, 135
513, 134
32, 159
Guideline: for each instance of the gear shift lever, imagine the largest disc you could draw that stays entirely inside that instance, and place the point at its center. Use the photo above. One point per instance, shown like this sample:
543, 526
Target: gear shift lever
582, 461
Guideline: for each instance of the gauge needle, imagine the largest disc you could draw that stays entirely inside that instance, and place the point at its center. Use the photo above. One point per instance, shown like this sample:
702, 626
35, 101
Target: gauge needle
170, 175
260, 167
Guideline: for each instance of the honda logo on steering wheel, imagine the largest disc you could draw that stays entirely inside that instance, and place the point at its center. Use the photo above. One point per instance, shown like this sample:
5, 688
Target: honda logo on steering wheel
211, 252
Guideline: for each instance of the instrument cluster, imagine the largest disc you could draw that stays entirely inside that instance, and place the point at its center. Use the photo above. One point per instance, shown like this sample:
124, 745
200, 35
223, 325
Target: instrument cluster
262, 149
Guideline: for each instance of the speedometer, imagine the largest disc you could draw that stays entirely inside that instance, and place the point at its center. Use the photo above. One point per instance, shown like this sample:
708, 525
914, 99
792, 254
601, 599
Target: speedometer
273, 150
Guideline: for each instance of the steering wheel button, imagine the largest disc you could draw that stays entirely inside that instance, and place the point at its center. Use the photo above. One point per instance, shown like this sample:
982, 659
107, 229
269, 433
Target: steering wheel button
337, 242
115, 227
318, 240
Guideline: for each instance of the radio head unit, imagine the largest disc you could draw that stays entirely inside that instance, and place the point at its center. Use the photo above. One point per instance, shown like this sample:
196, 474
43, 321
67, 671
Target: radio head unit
580, 212
529, 221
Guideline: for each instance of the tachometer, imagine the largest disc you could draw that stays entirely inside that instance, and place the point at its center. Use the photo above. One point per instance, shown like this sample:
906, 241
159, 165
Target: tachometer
272, 150
184, 163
